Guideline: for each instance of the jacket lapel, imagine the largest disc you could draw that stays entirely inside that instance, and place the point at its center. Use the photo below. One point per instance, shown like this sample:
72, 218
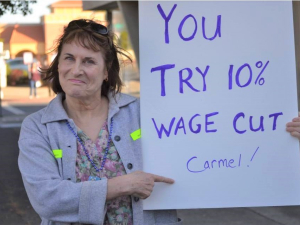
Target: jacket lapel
55, 111
116, 102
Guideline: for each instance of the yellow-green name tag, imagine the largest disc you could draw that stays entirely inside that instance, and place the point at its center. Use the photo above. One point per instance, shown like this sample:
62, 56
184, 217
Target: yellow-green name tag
57, 153
136, 135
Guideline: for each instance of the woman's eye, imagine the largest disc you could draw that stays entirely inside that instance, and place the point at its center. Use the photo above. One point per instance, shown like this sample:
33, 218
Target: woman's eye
89, 61
69, 58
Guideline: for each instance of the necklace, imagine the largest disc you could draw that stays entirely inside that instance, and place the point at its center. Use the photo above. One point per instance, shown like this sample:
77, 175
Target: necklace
94, 178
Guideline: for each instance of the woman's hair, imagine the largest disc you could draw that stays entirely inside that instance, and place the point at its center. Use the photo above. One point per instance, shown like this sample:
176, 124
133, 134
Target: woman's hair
96, 37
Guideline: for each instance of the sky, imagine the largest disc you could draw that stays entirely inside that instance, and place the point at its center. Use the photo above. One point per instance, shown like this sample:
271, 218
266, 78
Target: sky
38, 9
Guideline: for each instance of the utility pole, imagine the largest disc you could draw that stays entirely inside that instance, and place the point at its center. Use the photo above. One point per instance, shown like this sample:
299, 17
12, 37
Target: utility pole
3, 55
1, 71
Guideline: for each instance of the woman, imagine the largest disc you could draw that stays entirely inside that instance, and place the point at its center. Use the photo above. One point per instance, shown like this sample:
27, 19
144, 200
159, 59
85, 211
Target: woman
77, 159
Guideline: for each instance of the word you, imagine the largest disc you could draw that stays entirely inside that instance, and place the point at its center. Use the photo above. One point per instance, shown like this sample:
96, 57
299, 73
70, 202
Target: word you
228, 163
194, 126
167, 19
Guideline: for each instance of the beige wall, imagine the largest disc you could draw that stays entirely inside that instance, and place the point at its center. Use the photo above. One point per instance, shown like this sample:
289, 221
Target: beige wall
65, 17
67, 10
36, 48
52, 32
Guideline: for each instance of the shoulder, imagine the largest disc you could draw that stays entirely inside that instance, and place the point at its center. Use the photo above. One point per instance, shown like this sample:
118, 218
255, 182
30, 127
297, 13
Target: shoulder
36, 123
130, 102
32, 125
124, 107
124, 100
34, 118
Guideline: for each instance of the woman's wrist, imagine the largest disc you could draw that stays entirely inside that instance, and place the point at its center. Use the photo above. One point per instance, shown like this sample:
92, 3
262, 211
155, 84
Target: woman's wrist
117, 187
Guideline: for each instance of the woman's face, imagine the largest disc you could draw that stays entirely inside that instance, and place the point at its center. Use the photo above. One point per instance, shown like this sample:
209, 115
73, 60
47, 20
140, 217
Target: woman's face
81, 71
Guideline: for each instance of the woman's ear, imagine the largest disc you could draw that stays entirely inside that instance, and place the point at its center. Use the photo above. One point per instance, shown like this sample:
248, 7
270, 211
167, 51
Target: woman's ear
106, 76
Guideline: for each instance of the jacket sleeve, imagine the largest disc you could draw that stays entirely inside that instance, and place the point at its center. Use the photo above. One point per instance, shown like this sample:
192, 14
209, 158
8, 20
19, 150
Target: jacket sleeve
52, 197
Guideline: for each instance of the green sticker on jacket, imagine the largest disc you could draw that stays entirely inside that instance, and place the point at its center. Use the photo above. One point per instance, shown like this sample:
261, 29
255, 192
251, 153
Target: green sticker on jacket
136, 135
57, 153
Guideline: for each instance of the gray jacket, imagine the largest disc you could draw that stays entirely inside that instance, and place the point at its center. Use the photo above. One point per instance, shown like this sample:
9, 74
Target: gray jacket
51, 182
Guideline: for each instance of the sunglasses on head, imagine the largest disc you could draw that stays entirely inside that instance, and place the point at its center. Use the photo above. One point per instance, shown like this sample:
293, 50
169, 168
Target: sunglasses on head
96, 27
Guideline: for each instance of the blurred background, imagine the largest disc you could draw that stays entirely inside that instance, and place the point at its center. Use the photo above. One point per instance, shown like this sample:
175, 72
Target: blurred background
28, 30
35, 33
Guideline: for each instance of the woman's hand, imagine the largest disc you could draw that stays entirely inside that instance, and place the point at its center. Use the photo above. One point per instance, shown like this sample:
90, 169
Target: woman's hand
294, 127
139, 184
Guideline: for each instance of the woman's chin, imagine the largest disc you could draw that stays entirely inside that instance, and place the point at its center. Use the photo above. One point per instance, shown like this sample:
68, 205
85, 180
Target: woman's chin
75, 94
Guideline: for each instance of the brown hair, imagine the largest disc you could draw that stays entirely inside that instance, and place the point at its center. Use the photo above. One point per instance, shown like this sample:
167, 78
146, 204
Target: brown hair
96, 37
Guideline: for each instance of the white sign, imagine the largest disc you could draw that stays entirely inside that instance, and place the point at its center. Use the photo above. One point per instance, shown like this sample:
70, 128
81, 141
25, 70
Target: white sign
218, 85
27, 57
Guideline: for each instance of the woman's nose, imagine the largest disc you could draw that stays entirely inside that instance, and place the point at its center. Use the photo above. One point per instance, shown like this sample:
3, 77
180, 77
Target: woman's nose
77, 69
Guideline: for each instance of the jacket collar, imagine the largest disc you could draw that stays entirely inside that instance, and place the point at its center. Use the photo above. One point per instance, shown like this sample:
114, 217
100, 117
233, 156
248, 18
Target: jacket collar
56, 112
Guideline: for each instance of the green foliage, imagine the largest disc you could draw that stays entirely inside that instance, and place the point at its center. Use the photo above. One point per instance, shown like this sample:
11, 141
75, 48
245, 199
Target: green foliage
124, 40
16, 6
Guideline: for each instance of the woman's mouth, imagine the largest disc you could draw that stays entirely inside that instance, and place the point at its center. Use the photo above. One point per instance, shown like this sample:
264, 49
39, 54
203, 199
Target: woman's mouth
76, 81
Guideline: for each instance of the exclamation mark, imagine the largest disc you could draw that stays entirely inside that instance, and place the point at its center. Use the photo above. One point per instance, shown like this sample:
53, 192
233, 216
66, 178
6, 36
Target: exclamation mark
253, 155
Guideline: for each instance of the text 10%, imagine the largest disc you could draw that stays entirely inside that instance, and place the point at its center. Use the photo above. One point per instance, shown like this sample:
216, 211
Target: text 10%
260, 80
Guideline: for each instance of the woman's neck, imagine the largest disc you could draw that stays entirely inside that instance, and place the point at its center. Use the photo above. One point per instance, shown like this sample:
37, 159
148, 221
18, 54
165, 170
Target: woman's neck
83, 110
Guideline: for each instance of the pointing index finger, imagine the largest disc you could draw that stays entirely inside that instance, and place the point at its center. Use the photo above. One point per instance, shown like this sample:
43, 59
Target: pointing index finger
162, 179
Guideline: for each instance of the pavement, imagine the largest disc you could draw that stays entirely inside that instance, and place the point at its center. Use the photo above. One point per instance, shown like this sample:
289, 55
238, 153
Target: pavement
16, 104
15, 208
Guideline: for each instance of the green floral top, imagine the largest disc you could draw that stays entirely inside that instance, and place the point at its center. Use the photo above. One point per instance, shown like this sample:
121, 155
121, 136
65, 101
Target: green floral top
119, 210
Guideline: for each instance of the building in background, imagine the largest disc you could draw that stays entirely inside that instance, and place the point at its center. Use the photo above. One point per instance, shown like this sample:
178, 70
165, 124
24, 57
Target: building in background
62, 12
122, 17
40, 38
23, 38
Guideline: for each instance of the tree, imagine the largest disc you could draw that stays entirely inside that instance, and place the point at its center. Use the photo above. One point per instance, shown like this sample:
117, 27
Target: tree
15, 6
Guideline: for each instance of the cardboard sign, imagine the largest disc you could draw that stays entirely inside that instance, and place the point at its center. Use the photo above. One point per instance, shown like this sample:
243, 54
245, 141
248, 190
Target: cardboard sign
218, 85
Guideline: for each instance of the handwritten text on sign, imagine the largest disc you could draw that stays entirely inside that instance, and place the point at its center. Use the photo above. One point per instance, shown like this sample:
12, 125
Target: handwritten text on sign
214, 98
